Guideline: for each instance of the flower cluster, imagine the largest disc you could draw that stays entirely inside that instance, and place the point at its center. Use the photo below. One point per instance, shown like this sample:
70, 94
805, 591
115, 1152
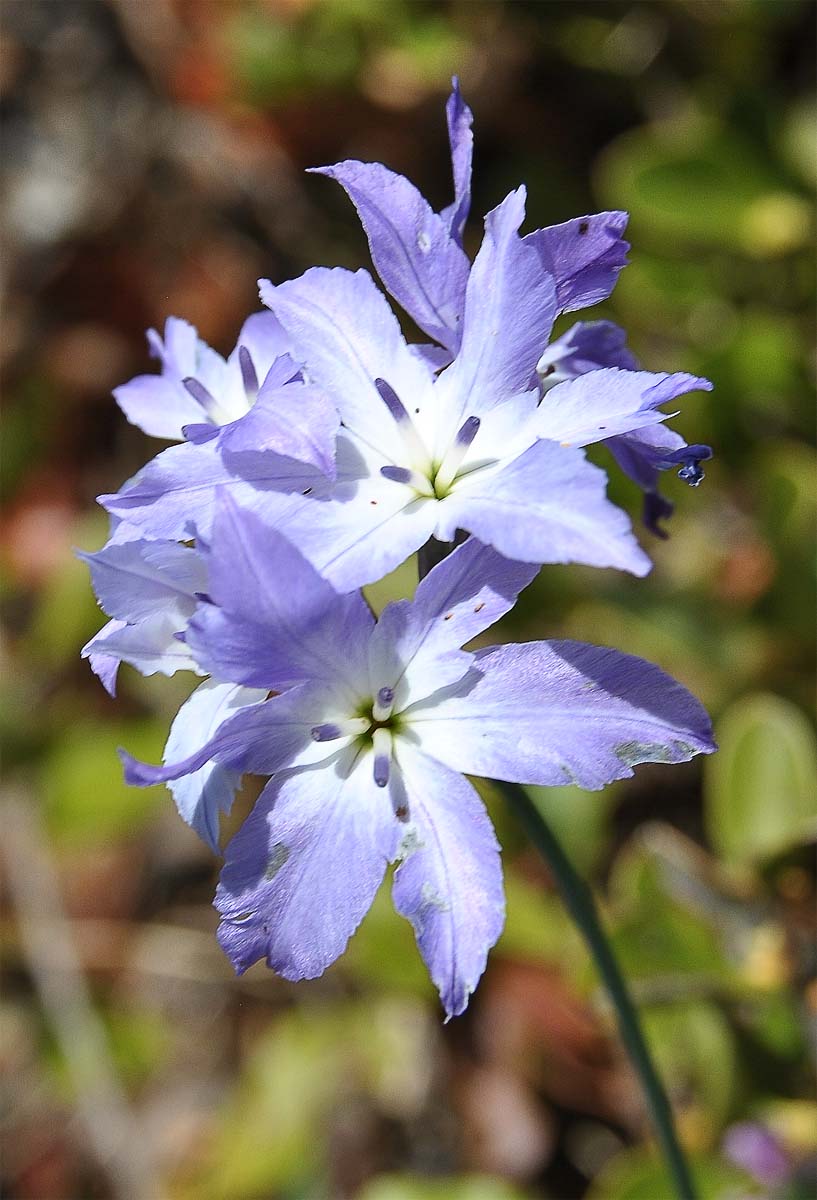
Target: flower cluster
314, 460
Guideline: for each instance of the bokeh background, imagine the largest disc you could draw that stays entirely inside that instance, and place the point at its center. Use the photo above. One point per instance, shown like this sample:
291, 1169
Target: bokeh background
153, 165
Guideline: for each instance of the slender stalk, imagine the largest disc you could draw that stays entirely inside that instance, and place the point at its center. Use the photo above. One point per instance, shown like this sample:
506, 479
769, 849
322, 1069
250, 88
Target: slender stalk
579, 900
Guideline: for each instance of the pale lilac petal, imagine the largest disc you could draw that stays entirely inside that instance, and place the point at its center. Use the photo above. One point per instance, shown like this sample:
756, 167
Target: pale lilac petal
104, 665
509, 310
419, 262
303, 870
342, 326
461, 139
449, 884
368, 527
150, 645
158, 405
177, 488
265, 338
205, 793
274, 620
178, 350
411, 647
601, 404
294, 420
587, 346
561, 712
434, 357
547, 506
584, 256
259, 738
135, 579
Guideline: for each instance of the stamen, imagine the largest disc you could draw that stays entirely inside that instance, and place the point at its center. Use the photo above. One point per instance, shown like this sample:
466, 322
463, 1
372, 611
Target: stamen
333, 730
248, 374
411, 478
456, 453
467, 431
381, 710
381, 743
392, 401
203, 397
418, 454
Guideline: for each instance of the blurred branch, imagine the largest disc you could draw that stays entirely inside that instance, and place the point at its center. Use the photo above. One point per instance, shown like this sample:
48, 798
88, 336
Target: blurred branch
46, 936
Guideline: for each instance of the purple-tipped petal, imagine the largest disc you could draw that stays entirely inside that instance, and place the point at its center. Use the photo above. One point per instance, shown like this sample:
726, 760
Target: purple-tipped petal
562, 712
584, 256
602, 404
421, 264
303, 870
449, 883
509, 309
461, 139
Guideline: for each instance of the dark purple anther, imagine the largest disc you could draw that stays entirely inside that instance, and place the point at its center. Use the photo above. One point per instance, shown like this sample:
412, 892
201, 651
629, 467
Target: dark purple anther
385, 697
326, 733
468, 431
248, 372
397, 474
382, 764
391, 400
200, 394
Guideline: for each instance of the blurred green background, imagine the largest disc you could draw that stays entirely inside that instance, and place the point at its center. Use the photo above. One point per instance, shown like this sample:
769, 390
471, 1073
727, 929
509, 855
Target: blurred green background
154, 155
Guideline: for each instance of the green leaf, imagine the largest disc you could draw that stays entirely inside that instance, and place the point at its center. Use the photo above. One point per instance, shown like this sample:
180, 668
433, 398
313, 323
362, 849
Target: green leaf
760, 790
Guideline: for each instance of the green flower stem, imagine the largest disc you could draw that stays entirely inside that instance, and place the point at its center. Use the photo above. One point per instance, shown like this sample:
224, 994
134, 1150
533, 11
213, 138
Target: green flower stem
579, 900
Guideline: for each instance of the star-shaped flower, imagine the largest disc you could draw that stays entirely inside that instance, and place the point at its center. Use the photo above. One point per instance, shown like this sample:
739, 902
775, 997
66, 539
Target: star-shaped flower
368, 741
249, 422
471, 448
419, 257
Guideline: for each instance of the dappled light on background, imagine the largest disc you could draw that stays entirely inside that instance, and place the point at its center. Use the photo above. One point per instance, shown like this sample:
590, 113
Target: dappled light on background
155, 159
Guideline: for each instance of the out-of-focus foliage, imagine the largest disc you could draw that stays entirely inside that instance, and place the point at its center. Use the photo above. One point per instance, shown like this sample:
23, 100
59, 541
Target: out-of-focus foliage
154, 159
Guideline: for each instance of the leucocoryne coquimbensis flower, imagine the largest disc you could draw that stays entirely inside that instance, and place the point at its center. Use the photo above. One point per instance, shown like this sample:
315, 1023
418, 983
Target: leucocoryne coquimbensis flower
315, 459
